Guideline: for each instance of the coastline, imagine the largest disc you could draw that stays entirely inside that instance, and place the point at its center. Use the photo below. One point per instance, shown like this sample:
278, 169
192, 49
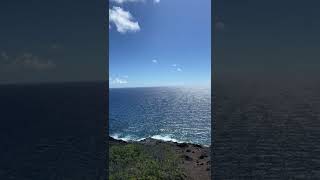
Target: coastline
165, 138
194, 160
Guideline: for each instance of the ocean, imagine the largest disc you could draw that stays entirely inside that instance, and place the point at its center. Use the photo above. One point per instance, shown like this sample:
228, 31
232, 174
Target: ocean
178, 114
53, 131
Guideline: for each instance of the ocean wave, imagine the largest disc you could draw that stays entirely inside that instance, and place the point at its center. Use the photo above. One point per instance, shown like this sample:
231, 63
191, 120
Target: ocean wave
166, 138
161, 137
126, 137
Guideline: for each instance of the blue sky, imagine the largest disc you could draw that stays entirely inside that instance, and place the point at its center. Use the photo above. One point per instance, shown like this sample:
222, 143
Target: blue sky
159, 43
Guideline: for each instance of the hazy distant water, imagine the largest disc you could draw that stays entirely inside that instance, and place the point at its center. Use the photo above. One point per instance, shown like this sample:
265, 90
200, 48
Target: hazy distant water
181, 114
52, 131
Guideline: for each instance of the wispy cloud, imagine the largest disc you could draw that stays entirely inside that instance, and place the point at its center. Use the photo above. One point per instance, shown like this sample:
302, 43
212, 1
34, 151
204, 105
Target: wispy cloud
155, 61
176, 67
123, 20
118, 80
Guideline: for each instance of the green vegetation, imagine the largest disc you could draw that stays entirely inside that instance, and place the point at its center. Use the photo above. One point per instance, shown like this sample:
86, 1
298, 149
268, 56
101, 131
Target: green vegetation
143, 162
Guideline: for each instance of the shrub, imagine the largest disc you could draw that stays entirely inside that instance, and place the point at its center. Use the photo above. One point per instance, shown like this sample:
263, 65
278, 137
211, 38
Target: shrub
143, 162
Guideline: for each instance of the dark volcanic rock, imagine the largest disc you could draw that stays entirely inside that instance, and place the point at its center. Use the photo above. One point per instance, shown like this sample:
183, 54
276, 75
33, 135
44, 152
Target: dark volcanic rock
112, 140
197, 145
187, 158
182, 145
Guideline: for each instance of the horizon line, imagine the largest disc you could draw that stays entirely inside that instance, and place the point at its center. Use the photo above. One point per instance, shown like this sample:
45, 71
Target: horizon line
207, 85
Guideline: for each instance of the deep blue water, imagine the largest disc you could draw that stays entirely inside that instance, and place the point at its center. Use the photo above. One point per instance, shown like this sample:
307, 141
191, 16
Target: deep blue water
181, 114
52, 131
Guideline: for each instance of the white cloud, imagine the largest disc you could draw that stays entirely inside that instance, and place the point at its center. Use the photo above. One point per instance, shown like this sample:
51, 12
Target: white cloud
123, 20
119, 80
156, 1
176, 67
154, 61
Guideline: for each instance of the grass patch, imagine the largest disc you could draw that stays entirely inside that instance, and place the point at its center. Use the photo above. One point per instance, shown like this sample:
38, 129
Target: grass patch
143, 162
